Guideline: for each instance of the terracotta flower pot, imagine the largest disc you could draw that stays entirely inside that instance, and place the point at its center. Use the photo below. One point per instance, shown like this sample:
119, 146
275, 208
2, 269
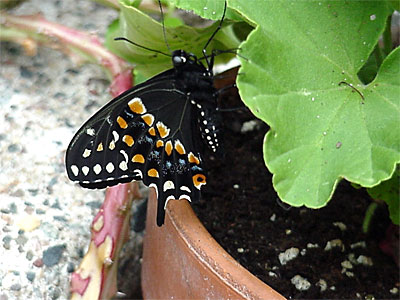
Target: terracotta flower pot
182, 261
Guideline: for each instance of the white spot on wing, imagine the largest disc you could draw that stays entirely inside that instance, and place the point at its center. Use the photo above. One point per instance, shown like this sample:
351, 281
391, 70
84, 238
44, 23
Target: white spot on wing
166, 200
124, 154
97, 169
185, 189
168, 185
86, 153
116, 136
185, 197
110, 167
137, 172
85, 170
111, 146
90, 131
155, 187
75, 170
123, 166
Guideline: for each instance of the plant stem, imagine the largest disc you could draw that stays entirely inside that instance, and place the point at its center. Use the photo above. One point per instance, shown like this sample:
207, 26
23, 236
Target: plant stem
30, 31
368, 216
96, 277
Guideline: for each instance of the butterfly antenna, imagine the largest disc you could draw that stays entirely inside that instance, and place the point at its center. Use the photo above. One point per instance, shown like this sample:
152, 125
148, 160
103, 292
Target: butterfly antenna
215, 32
163, 25
140, 46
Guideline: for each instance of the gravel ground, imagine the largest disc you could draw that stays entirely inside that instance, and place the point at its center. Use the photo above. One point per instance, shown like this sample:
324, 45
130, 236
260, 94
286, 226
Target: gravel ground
44, 218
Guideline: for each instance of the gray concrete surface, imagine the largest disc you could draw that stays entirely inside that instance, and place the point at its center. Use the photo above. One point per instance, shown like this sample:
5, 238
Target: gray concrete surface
44, 218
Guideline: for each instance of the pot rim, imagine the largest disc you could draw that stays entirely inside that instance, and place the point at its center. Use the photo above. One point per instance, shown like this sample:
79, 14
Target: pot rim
211, 255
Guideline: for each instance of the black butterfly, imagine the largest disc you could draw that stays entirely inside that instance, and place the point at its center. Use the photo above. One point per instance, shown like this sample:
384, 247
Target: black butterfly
153, 132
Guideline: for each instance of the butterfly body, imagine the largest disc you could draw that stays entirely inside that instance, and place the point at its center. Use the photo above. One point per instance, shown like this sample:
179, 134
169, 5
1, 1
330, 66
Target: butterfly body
154, 132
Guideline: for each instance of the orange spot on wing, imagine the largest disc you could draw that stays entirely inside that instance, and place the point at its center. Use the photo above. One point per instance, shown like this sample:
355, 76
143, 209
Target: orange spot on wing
127, 139
152, 131
162, 129
168, 147
179, 148
138, 158
193, 159
159, 143
152, 173
148, 119
199, 180
100, 147
136, 105
122, 123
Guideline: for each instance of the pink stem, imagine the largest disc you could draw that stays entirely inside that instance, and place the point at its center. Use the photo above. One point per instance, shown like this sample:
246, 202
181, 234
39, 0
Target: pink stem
96, 276
34, 29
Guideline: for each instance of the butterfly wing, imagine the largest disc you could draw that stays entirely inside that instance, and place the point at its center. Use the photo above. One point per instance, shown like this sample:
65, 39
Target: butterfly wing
148, 133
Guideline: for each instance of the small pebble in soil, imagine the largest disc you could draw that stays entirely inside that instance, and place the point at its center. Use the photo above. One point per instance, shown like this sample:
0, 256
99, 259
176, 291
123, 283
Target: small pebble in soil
236, 186
334, 243
240, 250
394, 290
340, 225
322, 285
249, 126
288, 231
303, 252
364, 260
310, 245
349, 274
346, 264
272, 274
273, 218
288, 255
361, 244
301, 284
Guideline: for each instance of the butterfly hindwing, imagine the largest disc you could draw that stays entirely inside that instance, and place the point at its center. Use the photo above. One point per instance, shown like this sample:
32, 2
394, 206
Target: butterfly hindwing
144, 134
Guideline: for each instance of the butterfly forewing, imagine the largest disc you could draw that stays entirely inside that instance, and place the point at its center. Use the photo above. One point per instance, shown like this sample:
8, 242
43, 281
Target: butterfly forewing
148, 133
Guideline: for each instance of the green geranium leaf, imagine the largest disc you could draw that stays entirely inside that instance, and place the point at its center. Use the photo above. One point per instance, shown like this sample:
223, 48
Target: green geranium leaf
395, 4
140, 28
322, 130
208, 9
389, 192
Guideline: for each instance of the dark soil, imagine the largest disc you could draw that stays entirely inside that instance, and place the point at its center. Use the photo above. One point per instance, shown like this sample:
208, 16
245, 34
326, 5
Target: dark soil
241, 210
